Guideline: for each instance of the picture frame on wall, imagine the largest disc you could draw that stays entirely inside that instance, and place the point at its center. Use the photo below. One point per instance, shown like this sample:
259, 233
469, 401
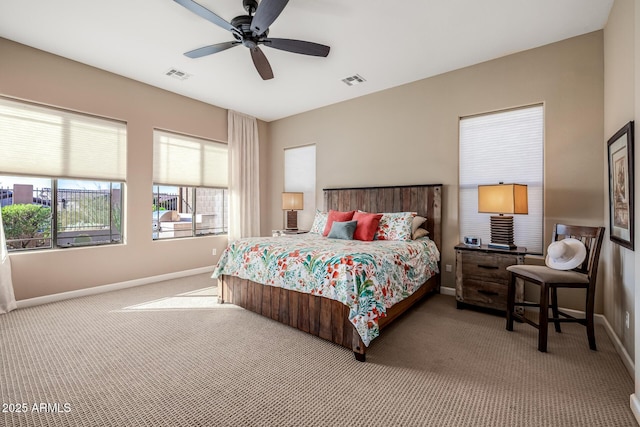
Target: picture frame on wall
621, 203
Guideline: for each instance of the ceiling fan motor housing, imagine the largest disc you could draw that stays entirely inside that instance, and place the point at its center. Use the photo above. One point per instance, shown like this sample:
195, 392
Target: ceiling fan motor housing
243, 23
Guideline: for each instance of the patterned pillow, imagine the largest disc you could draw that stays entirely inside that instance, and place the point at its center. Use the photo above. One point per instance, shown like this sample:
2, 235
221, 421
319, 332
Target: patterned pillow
319, 222
395, 226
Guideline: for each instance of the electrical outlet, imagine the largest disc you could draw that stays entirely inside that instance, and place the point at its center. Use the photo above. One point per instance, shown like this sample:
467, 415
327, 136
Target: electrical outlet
448, 268
626, 319
214, 251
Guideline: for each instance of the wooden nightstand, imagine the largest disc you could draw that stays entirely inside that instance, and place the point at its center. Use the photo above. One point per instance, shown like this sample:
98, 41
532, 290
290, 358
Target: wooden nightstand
276, 233
482, 278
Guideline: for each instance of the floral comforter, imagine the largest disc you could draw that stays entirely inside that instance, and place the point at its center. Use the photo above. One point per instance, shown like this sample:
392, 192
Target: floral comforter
368, 277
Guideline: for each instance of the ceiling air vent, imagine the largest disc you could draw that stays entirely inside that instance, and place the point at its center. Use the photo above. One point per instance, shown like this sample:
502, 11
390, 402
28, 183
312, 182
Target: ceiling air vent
177, 74
354, 80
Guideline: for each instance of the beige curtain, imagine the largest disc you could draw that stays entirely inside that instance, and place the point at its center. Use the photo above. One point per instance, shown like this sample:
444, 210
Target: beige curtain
7, 299
244, 172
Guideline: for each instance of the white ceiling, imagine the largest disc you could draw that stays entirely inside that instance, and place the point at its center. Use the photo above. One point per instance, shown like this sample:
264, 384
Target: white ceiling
389, 43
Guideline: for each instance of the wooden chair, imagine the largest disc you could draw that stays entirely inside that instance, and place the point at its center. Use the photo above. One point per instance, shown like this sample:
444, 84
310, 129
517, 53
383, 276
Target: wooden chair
549, 280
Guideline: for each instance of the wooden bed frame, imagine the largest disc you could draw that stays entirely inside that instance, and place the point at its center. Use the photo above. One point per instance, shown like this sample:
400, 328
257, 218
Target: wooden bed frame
326, 318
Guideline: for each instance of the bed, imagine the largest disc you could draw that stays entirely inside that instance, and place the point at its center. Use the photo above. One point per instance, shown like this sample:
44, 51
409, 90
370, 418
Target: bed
251, 273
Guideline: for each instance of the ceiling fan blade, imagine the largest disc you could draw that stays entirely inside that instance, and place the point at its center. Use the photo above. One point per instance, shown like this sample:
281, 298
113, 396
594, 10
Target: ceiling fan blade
298, 46
208, 50
261, 63
267, 12
207, 14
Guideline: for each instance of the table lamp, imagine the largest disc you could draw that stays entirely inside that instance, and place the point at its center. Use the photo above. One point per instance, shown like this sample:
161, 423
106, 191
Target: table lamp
292, 202
502, 199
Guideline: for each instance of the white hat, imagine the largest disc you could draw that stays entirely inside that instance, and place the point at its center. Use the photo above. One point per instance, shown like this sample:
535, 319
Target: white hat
565, 254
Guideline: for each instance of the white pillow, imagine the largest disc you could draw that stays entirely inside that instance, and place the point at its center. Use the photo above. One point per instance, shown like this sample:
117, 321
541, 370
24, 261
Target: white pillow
417, 222
420, 232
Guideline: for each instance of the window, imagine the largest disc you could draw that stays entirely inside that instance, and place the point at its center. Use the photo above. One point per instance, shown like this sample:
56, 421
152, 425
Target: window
300, 176
190, 196
189, 211
64, 168
507, 147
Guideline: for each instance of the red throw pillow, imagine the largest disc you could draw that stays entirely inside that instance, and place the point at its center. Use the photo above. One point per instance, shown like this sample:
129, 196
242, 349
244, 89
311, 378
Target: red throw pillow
367, 225
336, 216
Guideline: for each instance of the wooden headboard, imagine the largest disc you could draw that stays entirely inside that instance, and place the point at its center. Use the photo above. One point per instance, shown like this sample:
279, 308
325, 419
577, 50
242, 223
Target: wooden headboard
426, 200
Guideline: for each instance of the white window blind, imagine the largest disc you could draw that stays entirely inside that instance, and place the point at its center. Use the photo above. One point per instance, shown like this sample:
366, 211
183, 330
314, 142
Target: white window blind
42, 141
504, 147
188, 161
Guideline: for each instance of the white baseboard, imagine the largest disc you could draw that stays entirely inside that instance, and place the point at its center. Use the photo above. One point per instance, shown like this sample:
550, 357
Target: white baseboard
448, 291
634, 403
622, 352
30, 302
628, 362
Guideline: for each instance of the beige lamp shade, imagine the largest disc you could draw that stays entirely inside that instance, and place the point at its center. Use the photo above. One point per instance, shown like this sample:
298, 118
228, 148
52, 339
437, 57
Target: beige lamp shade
503, 199
292, 201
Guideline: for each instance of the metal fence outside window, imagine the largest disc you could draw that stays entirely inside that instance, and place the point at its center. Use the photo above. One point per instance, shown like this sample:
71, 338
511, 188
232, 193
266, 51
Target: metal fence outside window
82, 216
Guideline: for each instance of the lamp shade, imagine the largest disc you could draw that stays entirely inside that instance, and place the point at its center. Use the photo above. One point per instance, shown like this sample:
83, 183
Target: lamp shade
292, 201
503, 199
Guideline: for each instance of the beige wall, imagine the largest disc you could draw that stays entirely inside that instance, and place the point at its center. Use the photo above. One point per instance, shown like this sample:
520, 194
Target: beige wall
636, 322
265, 171
622, 104
634, 398
409, 134
619, 84
38, 76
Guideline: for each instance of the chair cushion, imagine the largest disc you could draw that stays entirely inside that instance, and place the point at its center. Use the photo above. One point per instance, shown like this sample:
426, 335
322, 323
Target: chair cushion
542, 273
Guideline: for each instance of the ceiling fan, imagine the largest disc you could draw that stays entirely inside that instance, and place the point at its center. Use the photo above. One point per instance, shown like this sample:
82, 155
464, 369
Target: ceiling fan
251, 31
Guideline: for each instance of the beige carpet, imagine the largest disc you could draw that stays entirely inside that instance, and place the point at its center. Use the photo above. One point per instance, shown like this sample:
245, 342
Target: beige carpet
164, 355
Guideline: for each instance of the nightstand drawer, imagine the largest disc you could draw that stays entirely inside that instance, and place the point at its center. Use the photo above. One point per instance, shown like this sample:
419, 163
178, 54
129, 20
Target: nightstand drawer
485, 294
491, 267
